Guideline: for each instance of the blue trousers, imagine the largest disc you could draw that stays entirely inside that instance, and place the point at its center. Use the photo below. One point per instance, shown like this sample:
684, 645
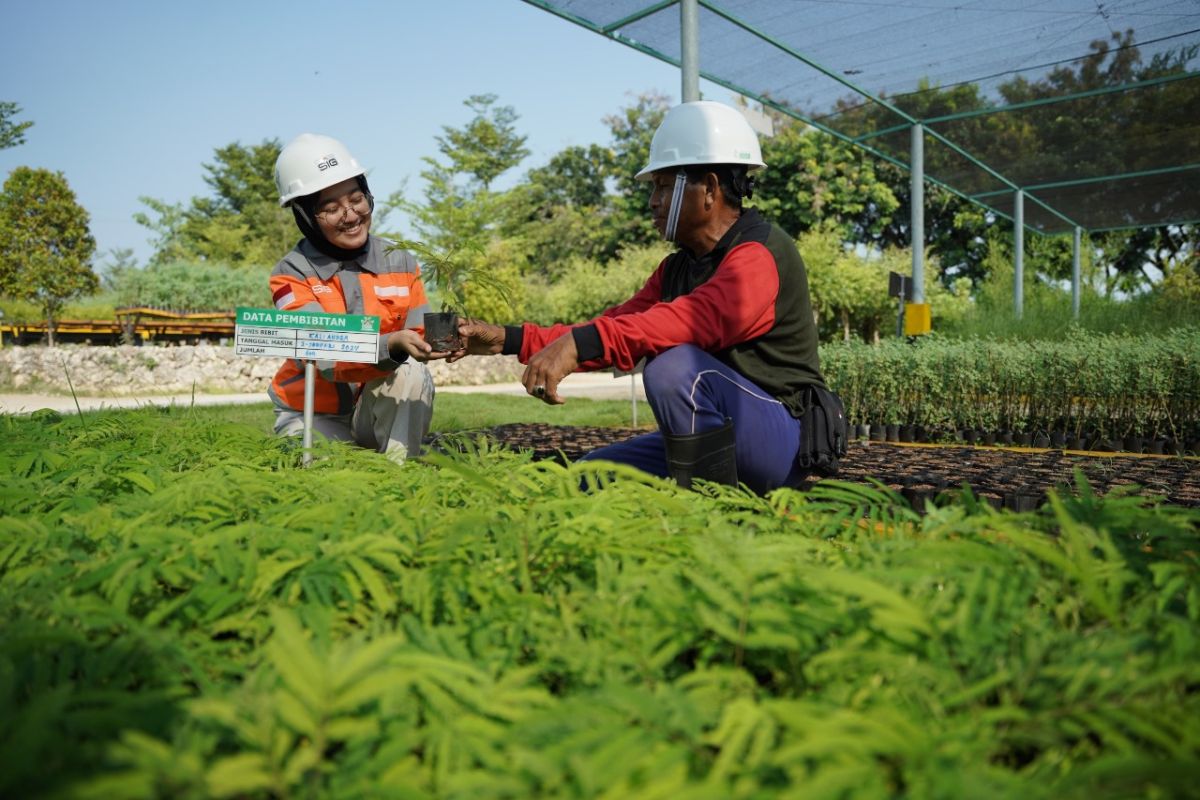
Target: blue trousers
690, 391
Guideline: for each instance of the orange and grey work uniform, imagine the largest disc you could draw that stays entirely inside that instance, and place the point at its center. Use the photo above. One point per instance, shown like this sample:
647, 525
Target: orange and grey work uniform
385, 406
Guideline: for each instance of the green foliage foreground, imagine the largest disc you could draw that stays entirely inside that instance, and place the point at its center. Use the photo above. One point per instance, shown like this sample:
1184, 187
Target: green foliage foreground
188, 614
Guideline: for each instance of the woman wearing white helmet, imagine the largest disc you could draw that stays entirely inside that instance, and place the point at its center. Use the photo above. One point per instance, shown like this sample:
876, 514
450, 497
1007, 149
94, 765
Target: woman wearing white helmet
339, 267
725, 323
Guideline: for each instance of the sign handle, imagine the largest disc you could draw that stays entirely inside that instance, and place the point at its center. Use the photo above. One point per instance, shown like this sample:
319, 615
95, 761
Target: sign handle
310, 393
633, 396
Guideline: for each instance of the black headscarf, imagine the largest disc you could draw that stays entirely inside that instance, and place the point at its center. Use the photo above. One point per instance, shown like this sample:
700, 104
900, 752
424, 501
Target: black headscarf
304, 209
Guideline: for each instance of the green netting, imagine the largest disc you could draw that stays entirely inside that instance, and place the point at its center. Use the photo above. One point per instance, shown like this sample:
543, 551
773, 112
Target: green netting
1093, 109
1144, 201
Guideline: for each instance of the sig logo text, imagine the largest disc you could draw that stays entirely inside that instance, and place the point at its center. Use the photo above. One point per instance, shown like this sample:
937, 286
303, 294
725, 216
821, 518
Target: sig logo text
327, 162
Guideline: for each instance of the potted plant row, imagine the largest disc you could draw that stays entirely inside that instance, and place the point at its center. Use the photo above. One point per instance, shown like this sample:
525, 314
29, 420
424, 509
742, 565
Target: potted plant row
1140, 394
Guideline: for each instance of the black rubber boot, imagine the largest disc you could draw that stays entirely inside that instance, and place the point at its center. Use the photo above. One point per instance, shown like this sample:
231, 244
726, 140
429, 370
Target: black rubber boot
705, 456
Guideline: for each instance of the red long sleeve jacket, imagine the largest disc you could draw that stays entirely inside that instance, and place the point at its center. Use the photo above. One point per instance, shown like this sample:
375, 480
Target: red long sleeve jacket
746, 302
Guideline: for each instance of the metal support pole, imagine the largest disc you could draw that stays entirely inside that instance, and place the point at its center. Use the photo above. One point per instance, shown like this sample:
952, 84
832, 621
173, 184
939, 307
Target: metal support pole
917, 239
689, 46
310, 393
633, 396
1019, 254
1075, 274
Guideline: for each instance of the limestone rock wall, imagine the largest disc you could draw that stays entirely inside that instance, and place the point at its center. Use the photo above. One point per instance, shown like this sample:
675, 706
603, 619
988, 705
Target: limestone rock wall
205, 368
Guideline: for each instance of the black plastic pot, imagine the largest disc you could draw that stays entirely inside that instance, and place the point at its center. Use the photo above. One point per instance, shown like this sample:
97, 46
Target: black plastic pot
893, 433
1132, 444
1023, 439
969, 435
1041, 440
1158, 447
989, 438
1058, 438
1022, 501
907, 433
441, 331
921, 490
1077, 442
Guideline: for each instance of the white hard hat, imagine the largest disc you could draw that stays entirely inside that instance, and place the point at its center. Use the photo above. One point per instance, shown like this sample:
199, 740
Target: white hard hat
310, 163
703, 132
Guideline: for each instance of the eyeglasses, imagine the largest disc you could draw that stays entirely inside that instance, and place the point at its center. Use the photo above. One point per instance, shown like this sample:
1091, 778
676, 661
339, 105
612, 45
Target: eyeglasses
334, 213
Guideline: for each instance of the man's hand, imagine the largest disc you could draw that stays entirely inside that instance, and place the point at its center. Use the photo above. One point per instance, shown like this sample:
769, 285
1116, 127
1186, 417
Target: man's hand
550, 365
413, 344
480, 338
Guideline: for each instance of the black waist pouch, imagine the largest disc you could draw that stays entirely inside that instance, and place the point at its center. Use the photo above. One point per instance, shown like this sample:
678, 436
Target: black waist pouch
823, 432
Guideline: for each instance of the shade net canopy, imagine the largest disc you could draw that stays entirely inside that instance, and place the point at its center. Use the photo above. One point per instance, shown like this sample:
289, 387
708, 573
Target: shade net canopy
1089, 107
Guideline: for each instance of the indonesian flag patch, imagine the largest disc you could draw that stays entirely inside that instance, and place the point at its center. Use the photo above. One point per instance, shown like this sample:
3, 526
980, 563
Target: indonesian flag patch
283, 296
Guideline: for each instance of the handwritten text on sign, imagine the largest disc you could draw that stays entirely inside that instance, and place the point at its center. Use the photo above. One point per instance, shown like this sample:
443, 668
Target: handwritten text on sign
269, 333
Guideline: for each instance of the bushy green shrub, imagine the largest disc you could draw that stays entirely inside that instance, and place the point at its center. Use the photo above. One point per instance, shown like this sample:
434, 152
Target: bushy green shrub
587, 288
193, 287
99, 306
1047, 313
500, 299
849, 288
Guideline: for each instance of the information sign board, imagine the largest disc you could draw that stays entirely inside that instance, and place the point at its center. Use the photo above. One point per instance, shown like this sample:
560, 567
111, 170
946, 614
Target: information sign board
306, 335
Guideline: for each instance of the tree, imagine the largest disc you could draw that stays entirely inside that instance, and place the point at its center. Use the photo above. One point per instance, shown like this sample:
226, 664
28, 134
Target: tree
558, 211
169, 243
488, 146
460, 208
633, 127
1114, 133
1106, 133
240, 224
11, 133
118, 263
586, 204
812, 178
46, 248
849, 291
955, 228
1130, 256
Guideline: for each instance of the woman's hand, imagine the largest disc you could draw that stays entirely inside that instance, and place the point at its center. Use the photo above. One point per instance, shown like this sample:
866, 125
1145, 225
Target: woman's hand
410, 343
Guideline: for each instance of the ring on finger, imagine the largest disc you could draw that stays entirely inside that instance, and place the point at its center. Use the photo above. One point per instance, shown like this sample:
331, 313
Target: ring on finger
539, 391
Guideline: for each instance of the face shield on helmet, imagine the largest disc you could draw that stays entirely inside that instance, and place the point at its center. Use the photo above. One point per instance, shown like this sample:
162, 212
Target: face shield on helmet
312, 162
699, 133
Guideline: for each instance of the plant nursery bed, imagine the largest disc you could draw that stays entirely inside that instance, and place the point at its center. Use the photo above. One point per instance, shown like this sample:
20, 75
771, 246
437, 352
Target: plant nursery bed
1016, 478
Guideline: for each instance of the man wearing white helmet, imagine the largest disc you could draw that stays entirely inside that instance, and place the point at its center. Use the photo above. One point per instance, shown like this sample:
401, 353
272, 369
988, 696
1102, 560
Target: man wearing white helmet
340, 268
725, 322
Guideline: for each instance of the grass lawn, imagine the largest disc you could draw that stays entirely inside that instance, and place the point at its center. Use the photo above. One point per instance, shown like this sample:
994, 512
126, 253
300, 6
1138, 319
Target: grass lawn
459, 412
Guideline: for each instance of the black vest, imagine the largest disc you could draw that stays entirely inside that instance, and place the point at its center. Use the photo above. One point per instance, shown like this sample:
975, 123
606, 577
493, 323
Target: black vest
784, 359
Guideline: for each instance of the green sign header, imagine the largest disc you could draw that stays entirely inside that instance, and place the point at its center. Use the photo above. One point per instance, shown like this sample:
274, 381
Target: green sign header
273, 318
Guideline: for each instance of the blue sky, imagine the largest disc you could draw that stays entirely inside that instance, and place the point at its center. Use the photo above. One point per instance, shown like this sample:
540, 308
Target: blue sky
130, 97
